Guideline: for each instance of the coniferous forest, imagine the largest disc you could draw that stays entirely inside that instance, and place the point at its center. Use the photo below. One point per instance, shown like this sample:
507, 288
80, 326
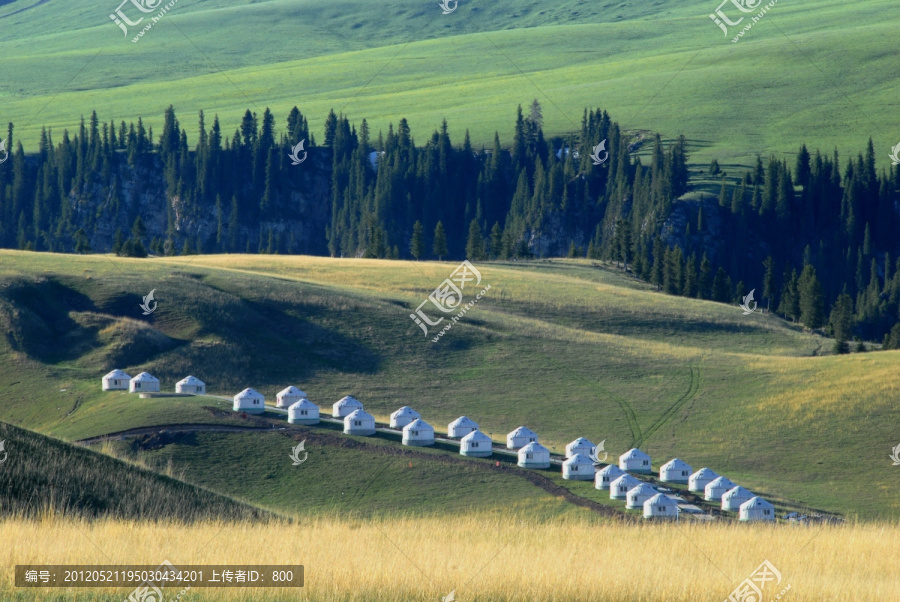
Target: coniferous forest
815, 237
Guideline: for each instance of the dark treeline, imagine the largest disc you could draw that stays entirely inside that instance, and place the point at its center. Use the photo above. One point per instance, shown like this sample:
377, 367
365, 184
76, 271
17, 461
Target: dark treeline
817, 240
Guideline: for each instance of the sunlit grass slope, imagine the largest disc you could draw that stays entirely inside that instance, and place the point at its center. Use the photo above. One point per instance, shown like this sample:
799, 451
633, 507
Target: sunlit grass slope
482, 557
568, 348
41, 476
825, 77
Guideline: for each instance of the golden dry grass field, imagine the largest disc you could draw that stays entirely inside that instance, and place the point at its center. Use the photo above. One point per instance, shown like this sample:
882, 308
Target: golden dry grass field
481, 557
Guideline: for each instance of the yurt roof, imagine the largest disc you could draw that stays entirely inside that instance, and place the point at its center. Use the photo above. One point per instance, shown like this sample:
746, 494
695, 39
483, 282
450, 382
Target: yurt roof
626, 478
248, 392
643, 488
612, 469
463, 421
417, 424
405, 411
581, 441
359, 415
522, 432
303, 404
738, 491
704, 473
675, 464
534, 446
659, 499
578, 459
117, 374
475, 435
190, 380
756, 502
292, 390
347, 399
721, 482
145, 376
634, 453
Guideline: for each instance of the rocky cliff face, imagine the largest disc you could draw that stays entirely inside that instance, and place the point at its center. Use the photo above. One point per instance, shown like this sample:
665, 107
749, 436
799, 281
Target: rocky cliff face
302, 212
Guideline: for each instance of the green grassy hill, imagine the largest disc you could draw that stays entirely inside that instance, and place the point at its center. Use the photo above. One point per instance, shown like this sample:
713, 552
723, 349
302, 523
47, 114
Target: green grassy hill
44, 476
795, 77
568, 348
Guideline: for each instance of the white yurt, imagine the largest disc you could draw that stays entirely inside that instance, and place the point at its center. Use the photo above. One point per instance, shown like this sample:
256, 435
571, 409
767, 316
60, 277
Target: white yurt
115, 381
288, 397
418, 433
476, 444
144, 383
303, 412
606, 476
250, 401
756, 509
403, 416
619, 488
661, 506
700, 479
534, 455
191, 384
345, 406
634, 460
359, 422
580, 446
717, 488
461, 427
734, 497
578, 468
638, 495
675, 471
520, 438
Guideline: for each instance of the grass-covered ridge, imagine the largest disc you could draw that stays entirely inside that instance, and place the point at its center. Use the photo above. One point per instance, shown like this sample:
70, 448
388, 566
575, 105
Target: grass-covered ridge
41, 476
664, 67
569, 348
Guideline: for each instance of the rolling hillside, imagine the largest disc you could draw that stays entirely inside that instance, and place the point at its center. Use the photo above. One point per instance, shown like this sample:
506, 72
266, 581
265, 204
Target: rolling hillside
43, 477
569, 348
664, 67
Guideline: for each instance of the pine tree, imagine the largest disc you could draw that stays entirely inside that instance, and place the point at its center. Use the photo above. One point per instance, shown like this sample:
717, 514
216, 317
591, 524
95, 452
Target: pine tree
417, 243
82, 245
812, 312
118, 241
789, 306
769, 281
721, 287
439, 247
496, 241
705, 280
474, 242
841, 318
656, 272
690, 276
